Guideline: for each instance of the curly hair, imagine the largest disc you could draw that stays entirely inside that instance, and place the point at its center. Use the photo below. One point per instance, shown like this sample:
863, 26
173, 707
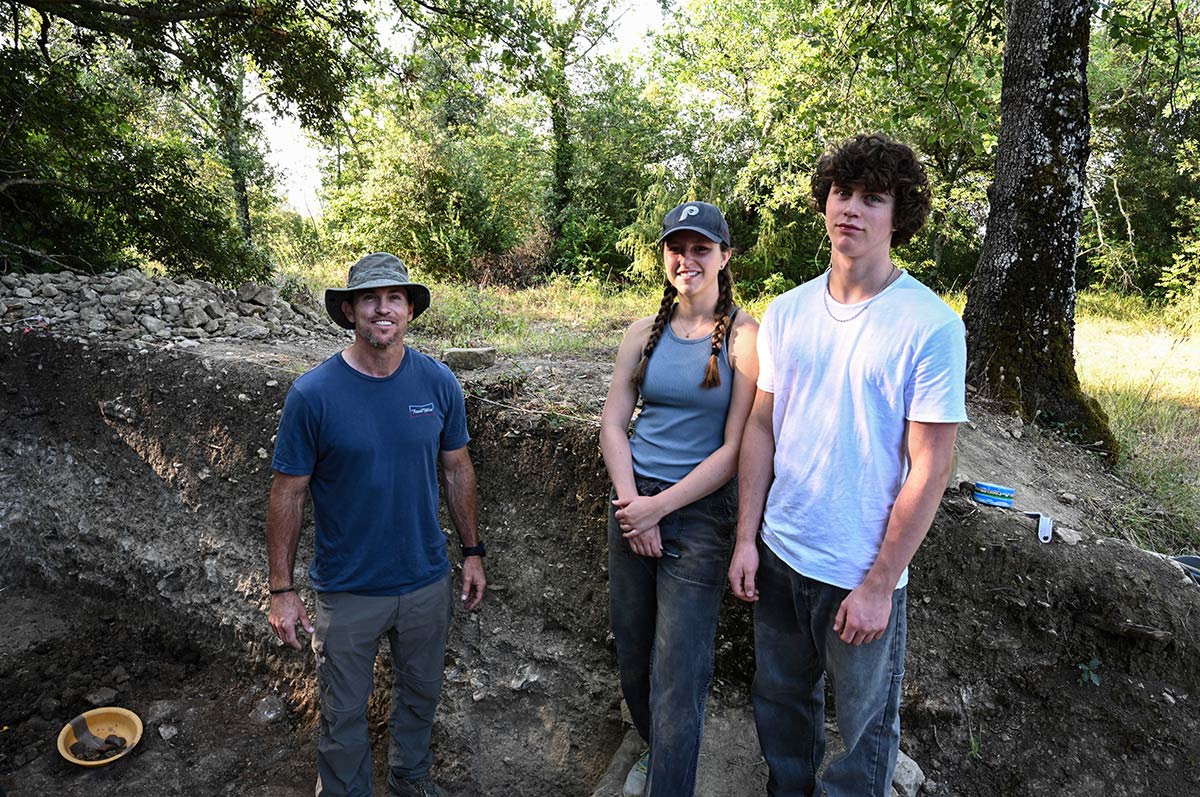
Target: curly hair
878, 163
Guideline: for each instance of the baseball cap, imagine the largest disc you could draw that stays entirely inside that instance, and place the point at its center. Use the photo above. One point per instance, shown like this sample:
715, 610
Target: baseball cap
699, 217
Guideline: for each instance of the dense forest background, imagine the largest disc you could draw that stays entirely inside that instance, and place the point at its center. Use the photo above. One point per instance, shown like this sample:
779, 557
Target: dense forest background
502, 142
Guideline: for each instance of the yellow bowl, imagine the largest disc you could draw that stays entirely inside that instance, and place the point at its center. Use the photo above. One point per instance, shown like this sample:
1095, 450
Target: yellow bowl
102, 722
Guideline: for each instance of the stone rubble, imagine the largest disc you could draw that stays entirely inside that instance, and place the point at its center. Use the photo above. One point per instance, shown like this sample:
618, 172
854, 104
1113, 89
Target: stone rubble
129, 305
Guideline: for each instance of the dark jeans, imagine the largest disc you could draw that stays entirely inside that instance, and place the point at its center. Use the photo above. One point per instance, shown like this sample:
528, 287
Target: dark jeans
664, 619
795, 646
346, 641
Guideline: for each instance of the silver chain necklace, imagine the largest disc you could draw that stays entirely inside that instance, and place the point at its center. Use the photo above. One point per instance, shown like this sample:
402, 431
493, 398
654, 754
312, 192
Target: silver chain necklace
826, 294
688, 335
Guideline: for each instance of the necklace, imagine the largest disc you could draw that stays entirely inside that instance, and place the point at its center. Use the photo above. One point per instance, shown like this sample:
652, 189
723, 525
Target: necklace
825, 296
704, 322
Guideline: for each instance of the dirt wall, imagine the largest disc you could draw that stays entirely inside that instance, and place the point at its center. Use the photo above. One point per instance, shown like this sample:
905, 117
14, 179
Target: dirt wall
138, 474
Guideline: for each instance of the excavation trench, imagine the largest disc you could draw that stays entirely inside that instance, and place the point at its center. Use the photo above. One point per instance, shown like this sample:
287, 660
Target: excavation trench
134, 484
133, 480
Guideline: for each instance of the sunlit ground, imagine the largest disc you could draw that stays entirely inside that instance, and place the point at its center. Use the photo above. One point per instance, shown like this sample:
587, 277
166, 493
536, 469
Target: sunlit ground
1147, 377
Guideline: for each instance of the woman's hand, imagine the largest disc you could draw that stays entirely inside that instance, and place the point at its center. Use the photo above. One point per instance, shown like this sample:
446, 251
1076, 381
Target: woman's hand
638, 514
645, 543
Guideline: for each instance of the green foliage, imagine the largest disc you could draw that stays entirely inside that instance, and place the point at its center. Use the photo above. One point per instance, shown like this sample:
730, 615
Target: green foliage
559, 315
500, 146
620, 117
414, 189
975, 745
1142, 185
464, 316
1181, 280
297, 250
1088, 672
776, 284
306, 53
88, 186
768, 86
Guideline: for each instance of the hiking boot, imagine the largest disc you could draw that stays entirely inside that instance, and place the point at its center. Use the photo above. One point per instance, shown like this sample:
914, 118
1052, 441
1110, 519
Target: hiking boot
635, 781
417, 787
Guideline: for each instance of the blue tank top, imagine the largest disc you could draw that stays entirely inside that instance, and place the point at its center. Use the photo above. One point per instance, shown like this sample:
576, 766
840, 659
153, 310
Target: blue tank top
681, 422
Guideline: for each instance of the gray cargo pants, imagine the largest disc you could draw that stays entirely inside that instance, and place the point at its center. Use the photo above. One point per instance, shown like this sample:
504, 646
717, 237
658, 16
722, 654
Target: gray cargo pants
346, 642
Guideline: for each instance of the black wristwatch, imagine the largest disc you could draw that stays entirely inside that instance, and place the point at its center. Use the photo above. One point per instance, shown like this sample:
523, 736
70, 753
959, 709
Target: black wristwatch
474, 550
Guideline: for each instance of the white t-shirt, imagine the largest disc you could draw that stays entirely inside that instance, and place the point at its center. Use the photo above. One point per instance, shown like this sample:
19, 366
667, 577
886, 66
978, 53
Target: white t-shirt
843, 392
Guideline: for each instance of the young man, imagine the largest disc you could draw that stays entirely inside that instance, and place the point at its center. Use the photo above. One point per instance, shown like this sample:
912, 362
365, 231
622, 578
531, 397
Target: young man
844, 461
364, 433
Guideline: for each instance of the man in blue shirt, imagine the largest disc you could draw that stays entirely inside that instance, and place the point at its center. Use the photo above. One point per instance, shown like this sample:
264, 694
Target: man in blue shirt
364, 433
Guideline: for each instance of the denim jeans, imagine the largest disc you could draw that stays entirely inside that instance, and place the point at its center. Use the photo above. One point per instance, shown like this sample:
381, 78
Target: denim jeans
664, 618
795, 647
346, 641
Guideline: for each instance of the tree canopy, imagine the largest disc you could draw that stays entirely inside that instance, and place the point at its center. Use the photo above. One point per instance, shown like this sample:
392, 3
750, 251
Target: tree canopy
501, 140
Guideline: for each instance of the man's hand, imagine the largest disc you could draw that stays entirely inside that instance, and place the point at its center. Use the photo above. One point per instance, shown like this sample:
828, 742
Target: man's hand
743, 566
863, 616
286, 610
645, 543
473, 582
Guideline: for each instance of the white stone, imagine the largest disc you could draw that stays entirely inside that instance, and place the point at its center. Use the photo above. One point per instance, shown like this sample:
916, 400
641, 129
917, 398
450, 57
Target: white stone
152, 324
1068, 535
527, 675
270, 709
908, 778
103, 696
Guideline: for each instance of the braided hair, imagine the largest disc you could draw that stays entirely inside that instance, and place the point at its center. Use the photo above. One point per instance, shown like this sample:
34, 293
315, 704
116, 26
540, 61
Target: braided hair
712, 375
723, 315
660, 321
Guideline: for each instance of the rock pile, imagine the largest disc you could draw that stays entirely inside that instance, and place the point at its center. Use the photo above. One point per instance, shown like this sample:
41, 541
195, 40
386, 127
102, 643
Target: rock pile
129, 305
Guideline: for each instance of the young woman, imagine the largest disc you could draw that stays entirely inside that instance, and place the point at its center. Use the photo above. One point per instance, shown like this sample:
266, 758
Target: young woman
674, 508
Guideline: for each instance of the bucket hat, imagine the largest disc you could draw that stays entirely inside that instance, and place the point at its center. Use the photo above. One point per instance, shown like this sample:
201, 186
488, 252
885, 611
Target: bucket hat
377, 270
698, 217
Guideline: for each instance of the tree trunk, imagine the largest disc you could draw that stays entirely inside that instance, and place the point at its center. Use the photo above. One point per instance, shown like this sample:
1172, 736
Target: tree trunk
562, 147
1020, 312
231, 110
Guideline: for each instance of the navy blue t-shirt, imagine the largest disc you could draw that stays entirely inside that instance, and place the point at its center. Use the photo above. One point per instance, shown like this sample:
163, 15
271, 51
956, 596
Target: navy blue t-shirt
371, 445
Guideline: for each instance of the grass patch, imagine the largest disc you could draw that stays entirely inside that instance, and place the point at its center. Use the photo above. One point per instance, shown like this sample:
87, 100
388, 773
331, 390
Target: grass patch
568, 316
1146, 375
563, 315
1108, 307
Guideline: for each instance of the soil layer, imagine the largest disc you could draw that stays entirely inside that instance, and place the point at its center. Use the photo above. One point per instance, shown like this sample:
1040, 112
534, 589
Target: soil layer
132, 505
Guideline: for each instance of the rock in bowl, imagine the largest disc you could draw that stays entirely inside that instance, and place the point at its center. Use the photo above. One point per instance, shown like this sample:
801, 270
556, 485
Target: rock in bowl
99, 736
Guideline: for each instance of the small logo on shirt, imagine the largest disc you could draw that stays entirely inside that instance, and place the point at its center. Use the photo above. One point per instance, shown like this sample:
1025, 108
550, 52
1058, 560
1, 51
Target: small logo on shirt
420, 410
